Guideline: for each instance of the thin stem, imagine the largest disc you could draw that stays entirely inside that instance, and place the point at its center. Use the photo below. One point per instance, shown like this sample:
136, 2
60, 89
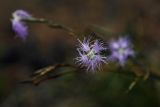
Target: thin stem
54, 25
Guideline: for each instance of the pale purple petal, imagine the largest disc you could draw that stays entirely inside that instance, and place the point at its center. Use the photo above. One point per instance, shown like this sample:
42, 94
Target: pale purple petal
98, 46
123, 42
20, 29
85, 45
114, 45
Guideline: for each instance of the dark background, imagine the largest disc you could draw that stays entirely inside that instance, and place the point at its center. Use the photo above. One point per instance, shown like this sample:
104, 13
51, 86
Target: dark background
45, 46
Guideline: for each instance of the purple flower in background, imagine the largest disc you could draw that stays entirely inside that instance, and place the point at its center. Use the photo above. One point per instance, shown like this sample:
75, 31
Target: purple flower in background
90, 54
18, 25
121, 49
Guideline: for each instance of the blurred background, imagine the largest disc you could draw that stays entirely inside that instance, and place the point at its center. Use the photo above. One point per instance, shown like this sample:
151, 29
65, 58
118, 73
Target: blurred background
45, 46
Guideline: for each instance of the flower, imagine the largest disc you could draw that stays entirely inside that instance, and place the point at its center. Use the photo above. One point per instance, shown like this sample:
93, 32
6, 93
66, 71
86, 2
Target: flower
90, 54
18, 25
121, 49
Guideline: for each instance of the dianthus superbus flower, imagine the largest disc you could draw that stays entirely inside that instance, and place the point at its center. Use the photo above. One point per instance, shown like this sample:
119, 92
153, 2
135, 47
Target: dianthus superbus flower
18, 25
121, 49
90, 54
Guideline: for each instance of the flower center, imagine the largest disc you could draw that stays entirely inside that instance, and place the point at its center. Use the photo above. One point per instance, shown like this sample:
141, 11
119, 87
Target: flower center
91, 54
121, 50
